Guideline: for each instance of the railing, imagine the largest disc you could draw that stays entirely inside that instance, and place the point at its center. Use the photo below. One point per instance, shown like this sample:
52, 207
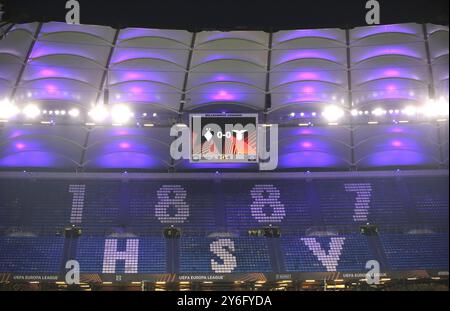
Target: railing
220, 232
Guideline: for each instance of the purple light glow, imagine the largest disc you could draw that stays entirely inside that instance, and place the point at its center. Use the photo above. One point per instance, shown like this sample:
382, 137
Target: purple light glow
223, 95
375, 52
308, 90
310, 159
306, 144
232, 55
170, 78
125, 160
136, 90
397, 130
391, 88
391, 73
33, 159
307, 76
133, 76
197, 79
101, 32
48, 73
16, 133
306, 132
121, 132
51, 89
168, 56
134, 33
308, 33
20, 146
369, 31
314, 54
396, 143
396, 157
43, 49
124, 145
280, 78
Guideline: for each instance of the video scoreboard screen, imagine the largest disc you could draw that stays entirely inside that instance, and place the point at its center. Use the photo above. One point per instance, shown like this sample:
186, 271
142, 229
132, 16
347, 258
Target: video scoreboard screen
224, 138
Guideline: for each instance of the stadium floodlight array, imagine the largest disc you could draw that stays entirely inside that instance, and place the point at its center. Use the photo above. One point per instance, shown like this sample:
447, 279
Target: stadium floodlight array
120, 114
333, 113
432, 108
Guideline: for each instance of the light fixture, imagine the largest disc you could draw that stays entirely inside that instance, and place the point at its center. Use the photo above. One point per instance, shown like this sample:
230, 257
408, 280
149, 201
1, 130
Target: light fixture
121, 114
409, 111
74, 112
434, 108
31, 111
332, 113
8, 109
378, 112
99, 113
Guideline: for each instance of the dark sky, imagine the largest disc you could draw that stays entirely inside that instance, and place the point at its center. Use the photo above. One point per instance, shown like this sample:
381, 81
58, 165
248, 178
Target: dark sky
229, 14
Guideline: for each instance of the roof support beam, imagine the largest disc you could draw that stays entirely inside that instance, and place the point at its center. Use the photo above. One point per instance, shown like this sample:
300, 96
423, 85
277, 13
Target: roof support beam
186, 78
268, 105
432, 91
104, 81
183, 98
350, 99
102, 87
8, 29
24, 66
431, 86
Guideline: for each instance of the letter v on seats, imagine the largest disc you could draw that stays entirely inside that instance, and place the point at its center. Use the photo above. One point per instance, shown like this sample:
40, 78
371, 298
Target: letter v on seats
330, 260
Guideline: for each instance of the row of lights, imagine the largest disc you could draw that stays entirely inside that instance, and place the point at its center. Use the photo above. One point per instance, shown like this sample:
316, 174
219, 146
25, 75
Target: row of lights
432, 108
121, 114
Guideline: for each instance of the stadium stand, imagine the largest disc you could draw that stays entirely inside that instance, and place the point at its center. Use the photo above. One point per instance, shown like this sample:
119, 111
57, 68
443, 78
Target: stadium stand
326, 240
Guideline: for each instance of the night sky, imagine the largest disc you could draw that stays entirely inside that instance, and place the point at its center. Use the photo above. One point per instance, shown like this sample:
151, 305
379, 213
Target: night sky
229, 14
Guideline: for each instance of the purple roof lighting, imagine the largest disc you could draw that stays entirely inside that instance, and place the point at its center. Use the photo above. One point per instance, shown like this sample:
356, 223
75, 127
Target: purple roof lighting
32, 159
124, 145
20, 146
285, 57
223, 96
362, 32
331, 34
177, 35
386, 50
171, 56
308, 159
42, 49
125, 160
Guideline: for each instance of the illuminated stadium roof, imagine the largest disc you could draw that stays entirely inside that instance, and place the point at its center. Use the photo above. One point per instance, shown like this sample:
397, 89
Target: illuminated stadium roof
380, 77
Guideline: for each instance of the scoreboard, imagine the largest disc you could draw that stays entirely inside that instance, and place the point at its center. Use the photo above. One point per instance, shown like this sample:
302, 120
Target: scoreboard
224, 138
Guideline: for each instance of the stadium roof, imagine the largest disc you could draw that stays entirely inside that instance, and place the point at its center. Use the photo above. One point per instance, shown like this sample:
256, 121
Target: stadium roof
380, 74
